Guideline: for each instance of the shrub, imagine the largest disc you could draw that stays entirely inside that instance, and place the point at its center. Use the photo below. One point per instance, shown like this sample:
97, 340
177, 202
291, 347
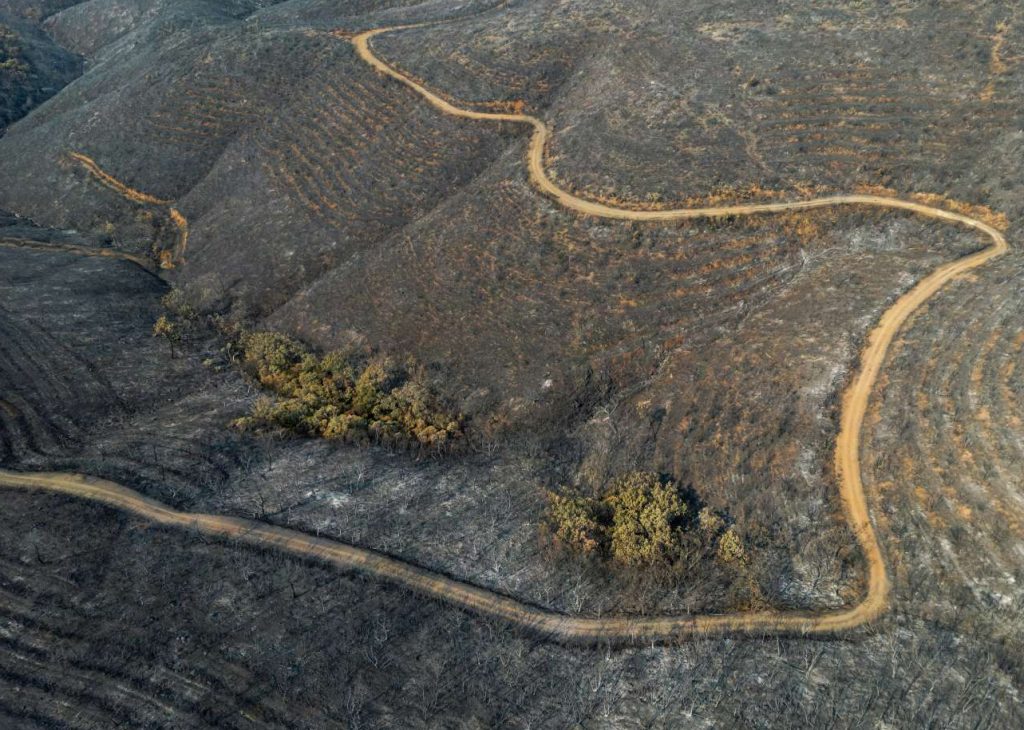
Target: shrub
169, 330
647, 517
179, 322
576, 522
377, 379
177, 304
334, 397
344, 426
12, 60
711, 523
730, 548
642, 521
273, 359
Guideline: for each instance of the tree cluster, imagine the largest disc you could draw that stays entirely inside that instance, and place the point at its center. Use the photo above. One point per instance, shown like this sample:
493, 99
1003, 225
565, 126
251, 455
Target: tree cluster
642, 520
12, 61
338, 397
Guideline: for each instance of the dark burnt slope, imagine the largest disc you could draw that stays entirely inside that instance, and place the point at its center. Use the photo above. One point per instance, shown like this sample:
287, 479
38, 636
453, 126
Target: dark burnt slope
332, 203
32, 67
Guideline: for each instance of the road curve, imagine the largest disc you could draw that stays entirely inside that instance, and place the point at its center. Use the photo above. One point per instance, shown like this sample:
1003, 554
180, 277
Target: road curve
548, 624
855, 398
574, 629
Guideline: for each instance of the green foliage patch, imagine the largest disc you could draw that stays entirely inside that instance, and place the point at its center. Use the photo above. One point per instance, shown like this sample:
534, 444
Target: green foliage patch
642, 521
12, 62
336, 396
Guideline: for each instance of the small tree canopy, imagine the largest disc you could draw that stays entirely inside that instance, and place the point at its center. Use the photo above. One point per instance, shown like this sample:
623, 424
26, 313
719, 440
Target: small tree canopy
646, 518
576, 522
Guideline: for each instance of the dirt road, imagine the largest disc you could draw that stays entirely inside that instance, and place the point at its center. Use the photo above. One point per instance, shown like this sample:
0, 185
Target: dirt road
548, 624
558, 626
614, 629
855, 399
168, 259
107, 253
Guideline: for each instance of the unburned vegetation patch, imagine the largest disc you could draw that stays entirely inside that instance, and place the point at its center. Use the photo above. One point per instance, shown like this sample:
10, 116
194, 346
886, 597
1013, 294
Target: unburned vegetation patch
645, 522
340, 395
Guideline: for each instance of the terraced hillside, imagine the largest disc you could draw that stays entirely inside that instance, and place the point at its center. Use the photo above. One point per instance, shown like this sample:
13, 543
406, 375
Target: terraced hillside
946, 453
84, 384
329, 201
753, 103
247, 656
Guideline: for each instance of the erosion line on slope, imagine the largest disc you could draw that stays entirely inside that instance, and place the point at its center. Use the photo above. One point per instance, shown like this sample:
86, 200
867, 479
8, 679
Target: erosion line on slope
109, 253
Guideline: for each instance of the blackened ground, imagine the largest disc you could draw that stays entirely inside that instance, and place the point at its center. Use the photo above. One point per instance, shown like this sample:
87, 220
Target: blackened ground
331, 203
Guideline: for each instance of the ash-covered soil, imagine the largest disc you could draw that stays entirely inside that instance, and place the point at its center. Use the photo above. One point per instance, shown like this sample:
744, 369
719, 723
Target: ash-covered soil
328, 202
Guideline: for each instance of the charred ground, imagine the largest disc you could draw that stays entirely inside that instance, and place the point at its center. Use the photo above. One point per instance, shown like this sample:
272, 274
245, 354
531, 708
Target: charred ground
332, 204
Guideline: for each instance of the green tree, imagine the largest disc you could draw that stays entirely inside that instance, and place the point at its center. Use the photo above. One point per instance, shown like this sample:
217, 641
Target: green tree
273, 358
12, 60
646, 518
170, 331
730, 548
331, 397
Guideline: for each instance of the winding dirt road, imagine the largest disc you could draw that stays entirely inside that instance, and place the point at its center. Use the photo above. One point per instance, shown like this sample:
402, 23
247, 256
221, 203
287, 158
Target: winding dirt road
550, 624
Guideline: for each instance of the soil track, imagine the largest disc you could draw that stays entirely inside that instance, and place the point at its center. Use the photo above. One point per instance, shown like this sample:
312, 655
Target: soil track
107, 253
550, 624
180, 222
